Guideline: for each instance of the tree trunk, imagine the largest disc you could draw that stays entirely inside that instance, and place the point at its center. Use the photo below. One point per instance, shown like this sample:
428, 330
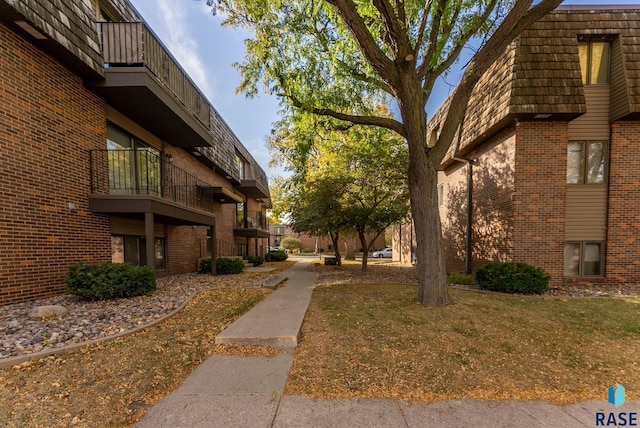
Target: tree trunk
336, 242
365, 250
432, 274
423, 191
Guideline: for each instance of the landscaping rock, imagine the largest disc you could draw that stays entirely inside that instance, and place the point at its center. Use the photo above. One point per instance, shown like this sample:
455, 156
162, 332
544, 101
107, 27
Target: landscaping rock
47, 312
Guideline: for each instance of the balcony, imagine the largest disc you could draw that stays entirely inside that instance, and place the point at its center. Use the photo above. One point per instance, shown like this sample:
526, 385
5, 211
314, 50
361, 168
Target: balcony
145, 83
253, 225
135, 182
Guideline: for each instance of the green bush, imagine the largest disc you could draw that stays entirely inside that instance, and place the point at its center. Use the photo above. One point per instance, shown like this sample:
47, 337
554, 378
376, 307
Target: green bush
276, 256
461, 278
255, 261
226, 266
110, 280
204, 265
513, 278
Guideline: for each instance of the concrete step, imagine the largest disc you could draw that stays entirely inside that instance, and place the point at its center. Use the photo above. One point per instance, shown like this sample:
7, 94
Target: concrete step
277, 320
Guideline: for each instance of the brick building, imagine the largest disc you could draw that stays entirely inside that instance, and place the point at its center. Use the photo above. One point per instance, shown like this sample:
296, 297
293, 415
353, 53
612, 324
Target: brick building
546, 160
109, 152
322, 244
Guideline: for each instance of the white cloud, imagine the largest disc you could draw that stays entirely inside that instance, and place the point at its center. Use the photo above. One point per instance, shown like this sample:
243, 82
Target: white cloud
182, 44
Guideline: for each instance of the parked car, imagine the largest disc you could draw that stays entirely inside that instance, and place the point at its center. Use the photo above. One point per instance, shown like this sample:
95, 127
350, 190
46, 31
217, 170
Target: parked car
269, 249
384, 253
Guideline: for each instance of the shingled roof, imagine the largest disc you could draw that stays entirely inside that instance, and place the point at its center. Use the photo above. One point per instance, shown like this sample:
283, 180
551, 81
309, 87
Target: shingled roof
538, 77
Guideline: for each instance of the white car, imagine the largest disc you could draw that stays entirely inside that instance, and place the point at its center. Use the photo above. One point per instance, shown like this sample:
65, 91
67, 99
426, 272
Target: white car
384, 253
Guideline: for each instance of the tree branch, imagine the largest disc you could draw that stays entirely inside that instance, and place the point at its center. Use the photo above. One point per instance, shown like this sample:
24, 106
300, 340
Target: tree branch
423, 26
376, 58
364, 78
401, 45
519, 18
382, 122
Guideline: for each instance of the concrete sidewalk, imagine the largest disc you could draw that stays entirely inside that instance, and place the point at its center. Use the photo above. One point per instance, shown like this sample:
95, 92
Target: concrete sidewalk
276, 321
233, 391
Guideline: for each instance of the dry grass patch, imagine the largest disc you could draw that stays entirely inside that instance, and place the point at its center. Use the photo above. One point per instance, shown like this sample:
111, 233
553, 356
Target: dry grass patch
114, 383
375, 340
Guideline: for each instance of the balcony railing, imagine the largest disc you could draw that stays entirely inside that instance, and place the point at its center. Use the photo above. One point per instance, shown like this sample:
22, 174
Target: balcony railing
253, 220
142, 172
132, 44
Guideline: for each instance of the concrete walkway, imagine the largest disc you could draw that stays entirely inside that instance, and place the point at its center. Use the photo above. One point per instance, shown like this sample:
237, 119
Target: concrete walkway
231, 391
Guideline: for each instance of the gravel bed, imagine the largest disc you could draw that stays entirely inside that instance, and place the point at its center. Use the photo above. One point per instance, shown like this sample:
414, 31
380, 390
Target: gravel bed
87, 321
579, 291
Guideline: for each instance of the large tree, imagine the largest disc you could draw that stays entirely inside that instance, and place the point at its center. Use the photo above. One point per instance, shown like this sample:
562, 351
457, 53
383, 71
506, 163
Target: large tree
331, 57
342, 180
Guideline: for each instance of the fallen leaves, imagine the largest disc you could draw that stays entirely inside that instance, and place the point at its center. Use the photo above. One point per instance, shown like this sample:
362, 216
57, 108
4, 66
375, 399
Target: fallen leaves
363, 338
112, 384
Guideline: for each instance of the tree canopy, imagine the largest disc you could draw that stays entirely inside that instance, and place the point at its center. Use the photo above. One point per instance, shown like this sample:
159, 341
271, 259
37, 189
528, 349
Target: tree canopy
344, 181
342, 58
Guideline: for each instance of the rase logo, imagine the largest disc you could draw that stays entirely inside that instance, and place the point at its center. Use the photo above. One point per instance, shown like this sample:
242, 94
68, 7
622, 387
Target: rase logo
615, 396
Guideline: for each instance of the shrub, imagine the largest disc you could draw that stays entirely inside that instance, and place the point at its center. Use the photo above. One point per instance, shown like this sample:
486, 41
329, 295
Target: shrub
225, 266
290, 243
513, 278
255, 261
276, 256
461, 278
204, 265
110, 280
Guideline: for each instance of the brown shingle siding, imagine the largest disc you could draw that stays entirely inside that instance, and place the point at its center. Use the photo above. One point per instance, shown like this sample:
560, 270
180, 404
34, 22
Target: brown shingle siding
70, 25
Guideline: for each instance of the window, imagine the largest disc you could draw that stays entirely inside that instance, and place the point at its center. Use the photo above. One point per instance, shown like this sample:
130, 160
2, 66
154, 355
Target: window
134, 166
586, 162
242, 167
242, 250
240, 215
594, 61
583, 259
133, 249
440, 195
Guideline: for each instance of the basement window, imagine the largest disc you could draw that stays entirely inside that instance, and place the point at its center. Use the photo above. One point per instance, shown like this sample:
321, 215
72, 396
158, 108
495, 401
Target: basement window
583, 259
133, 250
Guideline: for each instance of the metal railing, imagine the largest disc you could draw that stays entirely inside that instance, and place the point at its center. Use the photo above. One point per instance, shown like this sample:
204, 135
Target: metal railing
132, 44
142, 172
253, 220
225, 249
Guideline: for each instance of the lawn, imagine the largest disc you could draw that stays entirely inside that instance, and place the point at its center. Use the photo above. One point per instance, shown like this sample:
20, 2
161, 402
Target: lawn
375, 340
364, 335
113, 384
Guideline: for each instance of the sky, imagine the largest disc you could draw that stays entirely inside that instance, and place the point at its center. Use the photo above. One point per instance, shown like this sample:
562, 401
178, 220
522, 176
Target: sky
206, 50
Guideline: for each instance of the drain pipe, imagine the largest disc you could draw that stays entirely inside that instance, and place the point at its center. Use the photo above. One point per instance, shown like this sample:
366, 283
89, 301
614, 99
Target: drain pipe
468, 256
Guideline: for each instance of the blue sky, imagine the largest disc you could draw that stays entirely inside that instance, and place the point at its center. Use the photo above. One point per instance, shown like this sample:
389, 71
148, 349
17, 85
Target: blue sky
207, 51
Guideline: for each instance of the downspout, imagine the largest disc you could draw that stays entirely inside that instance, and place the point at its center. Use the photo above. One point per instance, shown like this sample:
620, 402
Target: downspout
468, 241
468, 259
468, 256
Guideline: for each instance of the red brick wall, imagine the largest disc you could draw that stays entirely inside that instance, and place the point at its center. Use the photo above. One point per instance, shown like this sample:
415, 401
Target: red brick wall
186, 244
48, 124
493, 211
622, 252
309, 243
539, 199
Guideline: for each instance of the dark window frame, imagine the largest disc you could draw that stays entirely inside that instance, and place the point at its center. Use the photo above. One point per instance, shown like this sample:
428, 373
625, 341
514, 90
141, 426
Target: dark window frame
141, 252
585, 162
581, 264
589, 42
